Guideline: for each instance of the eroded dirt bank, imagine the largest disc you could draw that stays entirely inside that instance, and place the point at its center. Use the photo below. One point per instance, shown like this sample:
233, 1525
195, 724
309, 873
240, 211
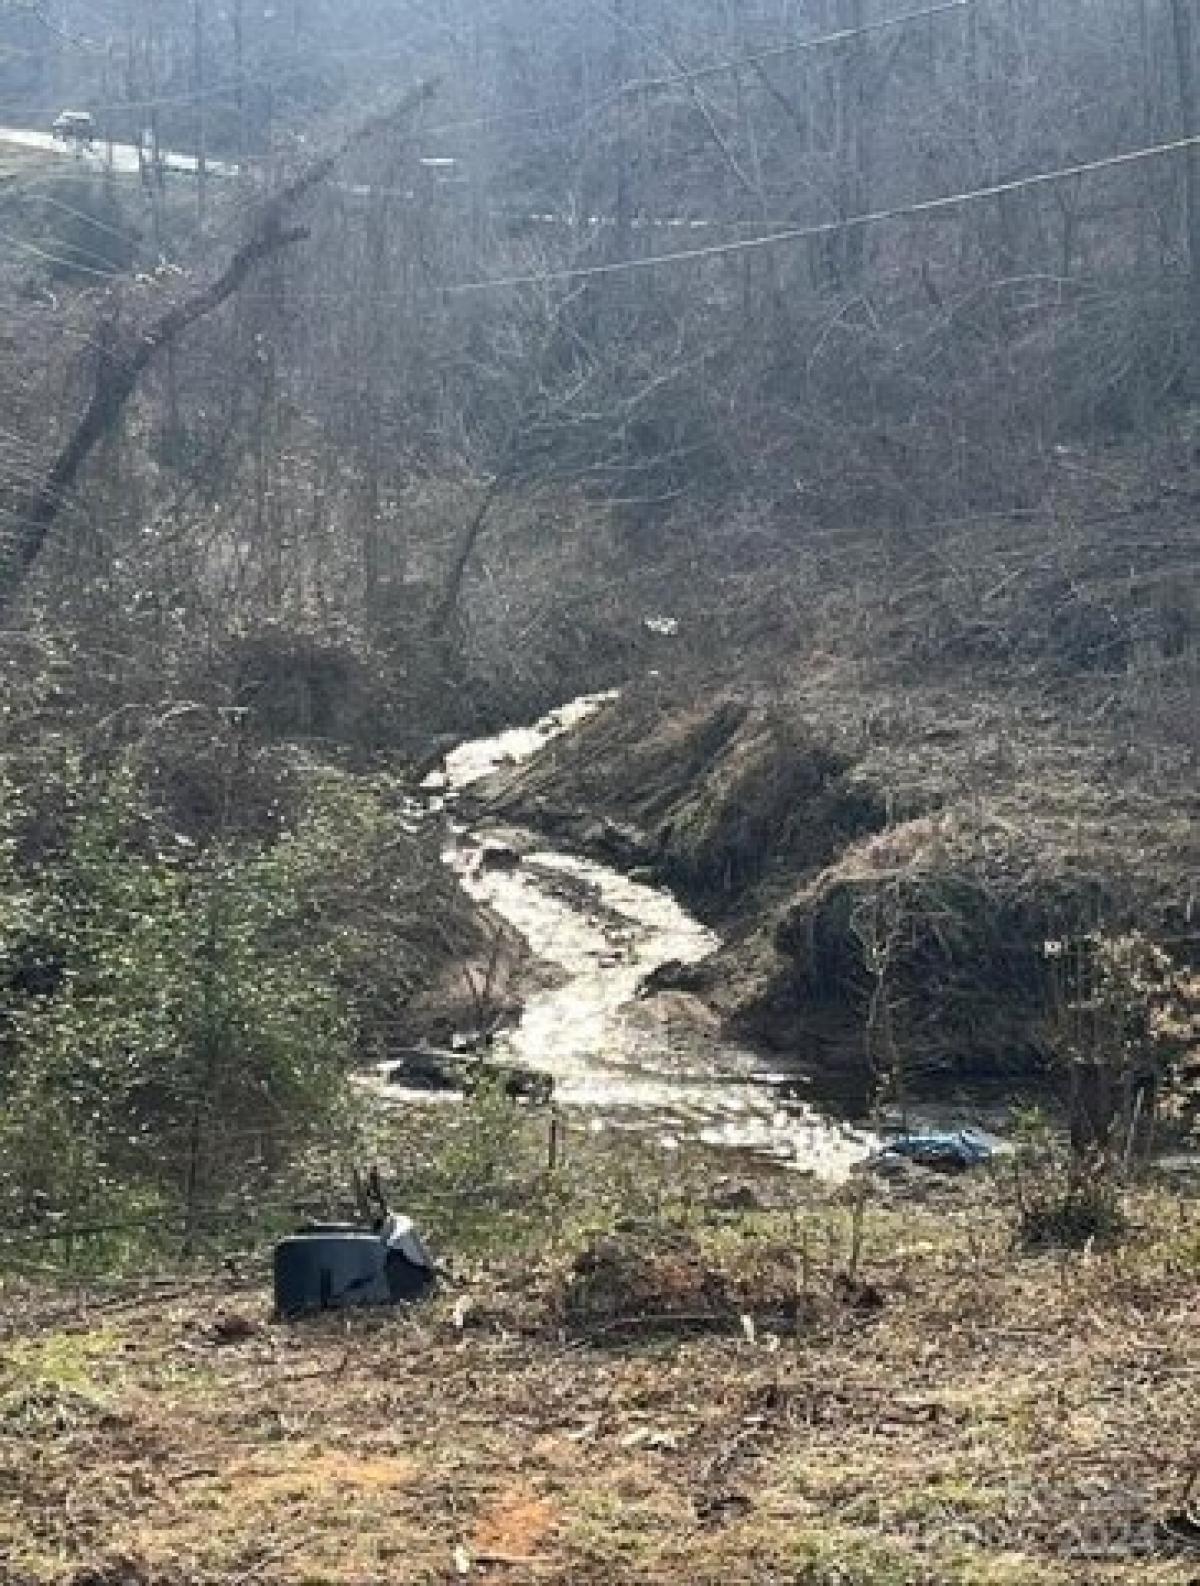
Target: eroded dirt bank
593, 943
885, 881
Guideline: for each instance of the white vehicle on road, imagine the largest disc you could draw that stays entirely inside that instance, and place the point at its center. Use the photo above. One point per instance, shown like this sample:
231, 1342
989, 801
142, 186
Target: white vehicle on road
74, 126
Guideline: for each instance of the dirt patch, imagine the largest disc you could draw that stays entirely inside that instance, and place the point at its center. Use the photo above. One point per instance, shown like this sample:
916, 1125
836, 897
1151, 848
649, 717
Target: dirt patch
514, 1529
641, 1283
714, 800
304, 1472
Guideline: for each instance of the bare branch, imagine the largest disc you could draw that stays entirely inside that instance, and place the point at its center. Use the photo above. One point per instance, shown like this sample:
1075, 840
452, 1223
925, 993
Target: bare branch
118, 373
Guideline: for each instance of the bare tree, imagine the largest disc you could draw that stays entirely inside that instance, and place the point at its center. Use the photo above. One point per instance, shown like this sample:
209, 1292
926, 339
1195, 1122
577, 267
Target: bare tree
119, 370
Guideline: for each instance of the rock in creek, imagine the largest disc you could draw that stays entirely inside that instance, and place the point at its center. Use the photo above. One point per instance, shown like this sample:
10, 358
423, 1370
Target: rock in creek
665, 978
517, 1083
431, 1069
500, 857
425, 1068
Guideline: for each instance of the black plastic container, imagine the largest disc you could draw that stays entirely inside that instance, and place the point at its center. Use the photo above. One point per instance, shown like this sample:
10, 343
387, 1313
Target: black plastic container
321, 1271
333, 1266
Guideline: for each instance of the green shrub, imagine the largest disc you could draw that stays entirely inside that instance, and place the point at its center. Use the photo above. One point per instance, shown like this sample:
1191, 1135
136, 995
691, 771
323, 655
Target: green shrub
1063, 1198
183, 1027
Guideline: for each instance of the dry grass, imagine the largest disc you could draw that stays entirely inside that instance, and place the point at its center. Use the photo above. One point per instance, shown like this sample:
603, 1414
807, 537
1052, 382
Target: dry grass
960, 817
997, 1420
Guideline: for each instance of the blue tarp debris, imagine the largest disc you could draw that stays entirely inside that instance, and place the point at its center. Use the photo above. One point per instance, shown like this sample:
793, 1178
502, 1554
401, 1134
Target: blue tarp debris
951, 1151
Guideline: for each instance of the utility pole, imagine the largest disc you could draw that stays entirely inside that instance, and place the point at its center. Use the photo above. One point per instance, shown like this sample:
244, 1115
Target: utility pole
108, 92
624, 215
201, 120
1183, 22
157, 179
239, 79
856, 139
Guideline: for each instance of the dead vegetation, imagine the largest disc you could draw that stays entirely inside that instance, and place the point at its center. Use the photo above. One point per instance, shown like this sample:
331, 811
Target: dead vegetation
890, 772
956, 1414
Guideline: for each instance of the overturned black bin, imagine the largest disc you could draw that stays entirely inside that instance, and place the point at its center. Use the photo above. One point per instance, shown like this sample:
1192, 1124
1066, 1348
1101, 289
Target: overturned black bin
328, 1266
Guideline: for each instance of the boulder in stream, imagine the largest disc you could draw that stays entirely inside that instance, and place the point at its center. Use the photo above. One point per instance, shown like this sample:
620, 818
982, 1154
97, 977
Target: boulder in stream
425, 1068
497, 857
665, 978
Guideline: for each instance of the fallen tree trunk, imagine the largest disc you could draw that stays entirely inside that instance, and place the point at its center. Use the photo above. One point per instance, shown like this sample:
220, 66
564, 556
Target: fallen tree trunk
119, 369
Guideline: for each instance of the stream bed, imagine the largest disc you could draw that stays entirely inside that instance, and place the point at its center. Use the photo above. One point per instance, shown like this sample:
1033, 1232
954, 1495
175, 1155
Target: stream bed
620, 1059
656, 1065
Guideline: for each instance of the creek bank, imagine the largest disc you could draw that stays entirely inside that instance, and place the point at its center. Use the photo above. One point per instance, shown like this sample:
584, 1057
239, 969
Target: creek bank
472, 987
591, 937
863, 933
715, 800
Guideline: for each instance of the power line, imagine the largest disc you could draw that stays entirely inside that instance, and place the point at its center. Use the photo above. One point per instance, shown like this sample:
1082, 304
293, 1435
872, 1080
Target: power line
928, 206
119, 232
798, 47
622, 90
695, 74
57, 258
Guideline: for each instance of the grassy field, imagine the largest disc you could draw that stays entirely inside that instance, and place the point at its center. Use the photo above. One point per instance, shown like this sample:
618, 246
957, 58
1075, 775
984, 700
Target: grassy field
819, 1389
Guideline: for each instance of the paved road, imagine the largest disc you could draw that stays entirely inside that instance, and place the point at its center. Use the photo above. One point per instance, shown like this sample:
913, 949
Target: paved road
125, 157
126, 161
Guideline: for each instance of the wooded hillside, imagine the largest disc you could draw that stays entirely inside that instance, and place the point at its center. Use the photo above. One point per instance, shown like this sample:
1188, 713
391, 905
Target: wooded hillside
421, 368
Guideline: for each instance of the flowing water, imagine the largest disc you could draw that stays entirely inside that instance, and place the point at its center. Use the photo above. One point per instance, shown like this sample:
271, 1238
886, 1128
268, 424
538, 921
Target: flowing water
650, 1064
